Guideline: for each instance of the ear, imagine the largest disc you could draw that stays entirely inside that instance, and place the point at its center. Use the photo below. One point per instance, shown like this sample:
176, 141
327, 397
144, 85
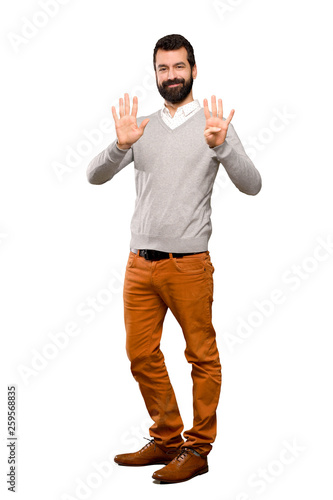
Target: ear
194, 71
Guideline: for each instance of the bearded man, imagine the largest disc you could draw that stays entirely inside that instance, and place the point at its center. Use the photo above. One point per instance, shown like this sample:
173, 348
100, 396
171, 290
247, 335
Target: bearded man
176, 152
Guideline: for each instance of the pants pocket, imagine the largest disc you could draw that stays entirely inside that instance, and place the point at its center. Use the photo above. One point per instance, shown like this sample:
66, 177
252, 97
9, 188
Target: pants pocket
190, 265
131, 260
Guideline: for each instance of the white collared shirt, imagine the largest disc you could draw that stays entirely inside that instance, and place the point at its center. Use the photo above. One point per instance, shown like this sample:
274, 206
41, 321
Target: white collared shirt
182, 114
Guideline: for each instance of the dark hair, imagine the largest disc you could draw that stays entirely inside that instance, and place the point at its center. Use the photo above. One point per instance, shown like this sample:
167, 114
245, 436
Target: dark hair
175, 42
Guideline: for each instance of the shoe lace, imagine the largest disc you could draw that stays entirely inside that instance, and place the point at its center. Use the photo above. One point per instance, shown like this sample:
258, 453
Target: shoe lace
185, 451
151, 441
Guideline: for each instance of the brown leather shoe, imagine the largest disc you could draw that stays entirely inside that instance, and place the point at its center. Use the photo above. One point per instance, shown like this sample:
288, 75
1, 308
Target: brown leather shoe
150, 454
187, 464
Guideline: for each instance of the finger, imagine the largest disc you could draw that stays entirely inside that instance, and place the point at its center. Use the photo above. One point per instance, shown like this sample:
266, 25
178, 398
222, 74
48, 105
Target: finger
231, 114
114, 114
127, 104
144, 124
121, 107
220, 110
211, 130
214, 109
135, 106
206, 110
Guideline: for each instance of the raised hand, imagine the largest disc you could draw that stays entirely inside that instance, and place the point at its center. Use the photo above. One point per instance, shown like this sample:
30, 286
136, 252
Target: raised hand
126, 127
216, 128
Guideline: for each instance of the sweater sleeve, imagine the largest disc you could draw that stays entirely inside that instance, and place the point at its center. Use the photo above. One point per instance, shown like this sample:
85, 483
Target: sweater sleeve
108, 163
237, 164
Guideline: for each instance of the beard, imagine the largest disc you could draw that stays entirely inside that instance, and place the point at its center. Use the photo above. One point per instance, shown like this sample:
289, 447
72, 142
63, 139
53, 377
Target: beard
175, 94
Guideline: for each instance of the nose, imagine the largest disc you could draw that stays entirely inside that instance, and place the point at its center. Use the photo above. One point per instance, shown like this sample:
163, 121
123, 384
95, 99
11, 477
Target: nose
172, 74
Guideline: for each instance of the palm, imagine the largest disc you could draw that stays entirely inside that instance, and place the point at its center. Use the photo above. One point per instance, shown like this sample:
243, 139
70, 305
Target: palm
216, 128
127, 129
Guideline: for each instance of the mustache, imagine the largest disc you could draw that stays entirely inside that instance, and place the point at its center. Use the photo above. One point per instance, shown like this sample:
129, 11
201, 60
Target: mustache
173, 82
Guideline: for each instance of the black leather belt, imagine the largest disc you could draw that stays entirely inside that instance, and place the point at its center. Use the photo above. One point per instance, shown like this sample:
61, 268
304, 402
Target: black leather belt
158, 255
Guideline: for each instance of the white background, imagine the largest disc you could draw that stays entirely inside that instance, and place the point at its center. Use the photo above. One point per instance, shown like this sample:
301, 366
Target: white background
64, 241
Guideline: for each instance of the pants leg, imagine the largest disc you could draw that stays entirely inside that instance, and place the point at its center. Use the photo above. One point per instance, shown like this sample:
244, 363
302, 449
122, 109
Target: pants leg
144, 312
188, 292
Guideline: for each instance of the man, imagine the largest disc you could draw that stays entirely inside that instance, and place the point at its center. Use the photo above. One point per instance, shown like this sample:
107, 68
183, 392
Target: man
176, 153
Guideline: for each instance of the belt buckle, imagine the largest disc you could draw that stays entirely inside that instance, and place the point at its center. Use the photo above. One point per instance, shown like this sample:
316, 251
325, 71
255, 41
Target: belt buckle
152, 254
148, 254
145, 254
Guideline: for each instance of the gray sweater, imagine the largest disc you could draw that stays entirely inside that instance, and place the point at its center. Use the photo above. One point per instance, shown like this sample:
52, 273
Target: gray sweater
174, 176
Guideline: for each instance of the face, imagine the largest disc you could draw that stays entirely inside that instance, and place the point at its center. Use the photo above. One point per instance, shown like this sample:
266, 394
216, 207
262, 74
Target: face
174, 77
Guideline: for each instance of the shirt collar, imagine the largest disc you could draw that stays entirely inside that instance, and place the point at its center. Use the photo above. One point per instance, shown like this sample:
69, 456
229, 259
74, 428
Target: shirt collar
186, 109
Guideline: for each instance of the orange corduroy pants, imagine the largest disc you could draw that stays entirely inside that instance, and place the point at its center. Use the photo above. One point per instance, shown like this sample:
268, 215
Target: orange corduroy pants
185, 286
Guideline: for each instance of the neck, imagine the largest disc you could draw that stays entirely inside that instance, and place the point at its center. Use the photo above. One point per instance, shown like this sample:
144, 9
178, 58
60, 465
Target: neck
172, 107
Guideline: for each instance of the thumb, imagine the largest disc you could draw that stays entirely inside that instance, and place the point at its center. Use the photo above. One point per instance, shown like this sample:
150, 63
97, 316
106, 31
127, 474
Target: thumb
144, 124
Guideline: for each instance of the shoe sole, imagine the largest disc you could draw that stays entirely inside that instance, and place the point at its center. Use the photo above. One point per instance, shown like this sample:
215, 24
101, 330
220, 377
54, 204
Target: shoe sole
198, 473
142, 465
